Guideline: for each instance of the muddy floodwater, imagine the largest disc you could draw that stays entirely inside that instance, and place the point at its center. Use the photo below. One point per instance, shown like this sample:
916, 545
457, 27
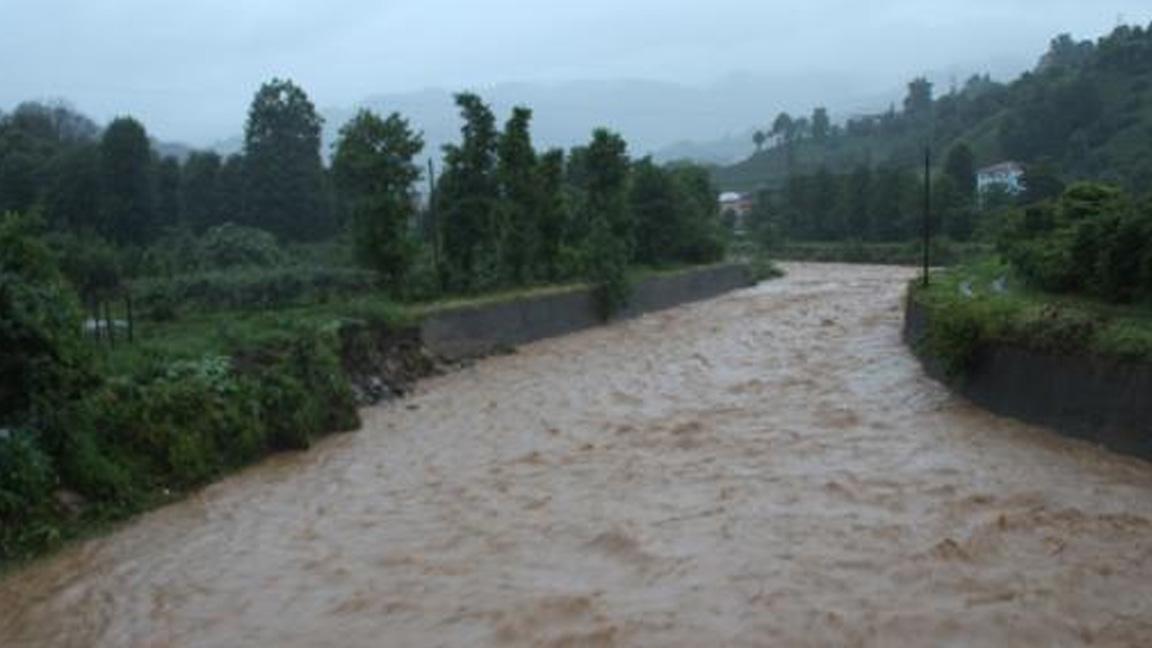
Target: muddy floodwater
767, 468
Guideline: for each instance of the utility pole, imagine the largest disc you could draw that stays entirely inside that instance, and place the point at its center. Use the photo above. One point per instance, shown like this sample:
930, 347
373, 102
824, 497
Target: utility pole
927, 209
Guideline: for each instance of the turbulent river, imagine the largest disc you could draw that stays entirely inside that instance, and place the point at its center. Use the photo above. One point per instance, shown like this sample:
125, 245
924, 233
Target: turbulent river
767, 468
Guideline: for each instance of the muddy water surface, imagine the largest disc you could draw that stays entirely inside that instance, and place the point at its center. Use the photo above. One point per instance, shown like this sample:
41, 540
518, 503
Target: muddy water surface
767, 468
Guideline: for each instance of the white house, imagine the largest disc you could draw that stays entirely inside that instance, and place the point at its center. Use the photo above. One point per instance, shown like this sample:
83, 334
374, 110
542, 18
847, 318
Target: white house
1009, 175
737, 206
738, 203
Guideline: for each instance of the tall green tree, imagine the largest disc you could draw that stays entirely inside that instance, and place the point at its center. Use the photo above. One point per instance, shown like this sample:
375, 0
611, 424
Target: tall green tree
553, 214
856, 198
918, 102
611, 238
467, 198
889, 210
656, 206
956, 193
960, 166
37, 143
285, 183
825, 190
169, 203
200, 191
608, 167
783, 127
231, 186
821, 125
700, 232
127, 205
1040, 183
520, 197
374, 170
73, 197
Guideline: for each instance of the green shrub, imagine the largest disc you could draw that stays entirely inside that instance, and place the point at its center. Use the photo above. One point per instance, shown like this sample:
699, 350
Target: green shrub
763, 268
303, 390
230, 246
1119, 256
1056, 329
89, 262
954, 336
43, 357
254, 289
1093, 241
26, 477
26, 504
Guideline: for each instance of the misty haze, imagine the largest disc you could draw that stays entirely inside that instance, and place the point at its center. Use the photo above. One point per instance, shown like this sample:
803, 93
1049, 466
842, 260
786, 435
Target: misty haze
519, 323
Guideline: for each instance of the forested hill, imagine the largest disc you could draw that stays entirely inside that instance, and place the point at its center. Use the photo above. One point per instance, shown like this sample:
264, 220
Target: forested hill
1085, 111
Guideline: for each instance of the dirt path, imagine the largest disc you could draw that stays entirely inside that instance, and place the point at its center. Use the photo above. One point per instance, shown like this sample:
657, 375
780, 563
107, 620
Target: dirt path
767, 468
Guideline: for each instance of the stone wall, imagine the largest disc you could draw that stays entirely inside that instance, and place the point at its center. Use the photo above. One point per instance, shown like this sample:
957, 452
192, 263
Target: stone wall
477, 330
1102, 400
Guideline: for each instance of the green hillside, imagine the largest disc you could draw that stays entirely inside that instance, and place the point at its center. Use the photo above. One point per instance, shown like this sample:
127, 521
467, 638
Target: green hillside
1084, 111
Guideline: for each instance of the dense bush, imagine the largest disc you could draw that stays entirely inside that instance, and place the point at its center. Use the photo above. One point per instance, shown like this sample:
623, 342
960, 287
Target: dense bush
191, 420
250, 289
168, 426
75, 449
90, 263
223, 247
1094, 241
230, 245
26, 483
43, 358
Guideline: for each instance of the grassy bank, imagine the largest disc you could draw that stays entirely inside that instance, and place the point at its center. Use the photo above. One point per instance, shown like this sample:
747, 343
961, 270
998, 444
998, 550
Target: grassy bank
944, 253
987, 302
190, 402
196, 397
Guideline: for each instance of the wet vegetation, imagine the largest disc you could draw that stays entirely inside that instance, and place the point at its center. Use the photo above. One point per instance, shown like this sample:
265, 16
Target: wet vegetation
164, 321
1073, 276
1083, 113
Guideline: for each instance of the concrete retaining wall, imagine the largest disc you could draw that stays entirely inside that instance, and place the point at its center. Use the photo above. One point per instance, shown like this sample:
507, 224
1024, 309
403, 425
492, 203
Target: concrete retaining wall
1101, 400
472, 331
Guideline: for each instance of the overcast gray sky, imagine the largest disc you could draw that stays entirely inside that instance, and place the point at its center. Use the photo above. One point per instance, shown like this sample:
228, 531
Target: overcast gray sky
188, 68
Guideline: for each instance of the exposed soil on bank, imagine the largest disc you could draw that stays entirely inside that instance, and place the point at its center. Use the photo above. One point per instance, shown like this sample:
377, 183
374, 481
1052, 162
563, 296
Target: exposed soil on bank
767, 468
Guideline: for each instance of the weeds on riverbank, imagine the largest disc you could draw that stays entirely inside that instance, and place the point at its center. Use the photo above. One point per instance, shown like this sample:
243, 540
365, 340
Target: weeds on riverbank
189, 400
988, 302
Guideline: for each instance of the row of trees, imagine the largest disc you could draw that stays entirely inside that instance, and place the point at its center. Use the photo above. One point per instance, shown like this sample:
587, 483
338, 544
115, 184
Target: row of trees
113, 184
885, 203
501, 214
504, 214
787, 130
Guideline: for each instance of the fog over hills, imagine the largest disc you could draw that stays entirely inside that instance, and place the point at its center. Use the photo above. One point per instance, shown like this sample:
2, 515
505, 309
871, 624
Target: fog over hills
709, 122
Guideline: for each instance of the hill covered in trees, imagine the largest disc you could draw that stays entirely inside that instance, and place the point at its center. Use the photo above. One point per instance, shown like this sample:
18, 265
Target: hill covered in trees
1084, 112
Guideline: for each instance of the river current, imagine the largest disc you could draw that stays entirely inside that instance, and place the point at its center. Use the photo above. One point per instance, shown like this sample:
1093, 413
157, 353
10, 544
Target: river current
768, 468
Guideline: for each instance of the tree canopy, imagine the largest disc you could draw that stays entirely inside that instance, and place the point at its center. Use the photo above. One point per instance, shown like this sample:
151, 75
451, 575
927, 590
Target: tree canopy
283, 173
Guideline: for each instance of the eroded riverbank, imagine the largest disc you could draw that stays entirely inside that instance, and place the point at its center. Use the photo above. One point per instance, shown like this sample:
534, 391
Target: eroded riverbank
769, 467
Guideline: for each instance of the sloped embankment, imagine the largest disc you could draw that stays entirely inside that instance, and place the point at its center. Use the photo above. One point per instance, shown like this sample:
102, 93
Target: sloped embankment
1091, 397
